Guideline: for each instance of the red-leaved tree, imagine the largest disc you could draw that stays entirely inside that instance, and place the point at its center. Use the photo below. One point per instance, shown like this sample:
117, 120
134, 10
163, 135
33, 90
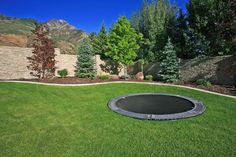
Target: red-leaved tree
42, 62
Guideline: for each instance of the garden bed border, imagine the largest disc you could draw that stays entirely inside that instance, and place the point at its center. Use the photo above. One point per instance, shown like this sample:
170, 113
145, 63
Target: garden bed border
117, 82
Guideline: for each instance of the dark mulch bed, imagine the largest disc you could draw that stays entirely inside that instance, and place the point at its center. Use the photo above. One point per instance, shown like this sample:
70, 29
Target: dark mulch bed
229, 90
223, 89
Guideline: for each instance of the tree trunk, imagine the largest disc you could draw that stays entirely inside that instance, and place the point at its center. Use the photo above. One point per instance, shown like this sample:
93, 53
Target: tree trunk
125, 70
141, 67
43, 74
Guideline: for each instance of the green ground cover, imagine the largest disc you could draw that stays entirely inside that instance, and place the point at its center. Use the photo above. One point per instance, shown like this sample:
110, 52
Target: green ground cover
38, 120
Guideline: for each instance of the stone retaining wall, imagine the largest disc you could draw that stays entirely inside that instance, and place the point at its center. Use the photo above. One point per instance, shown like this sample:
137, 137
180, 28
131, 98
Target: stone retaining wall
13, 63
219, 70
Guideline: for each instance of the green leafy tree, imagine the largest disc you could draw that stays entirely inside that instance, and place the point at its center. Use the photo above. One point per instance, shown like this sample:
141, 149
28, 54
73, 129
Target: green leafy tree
169, 64
85, 65
123, 42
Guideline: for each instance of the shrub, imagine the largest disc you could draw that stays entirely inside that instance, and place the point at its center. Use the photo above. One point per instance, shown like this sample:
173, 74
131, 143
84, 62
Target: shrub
149, 77
204, 82
125, 77
63, 72
104, 77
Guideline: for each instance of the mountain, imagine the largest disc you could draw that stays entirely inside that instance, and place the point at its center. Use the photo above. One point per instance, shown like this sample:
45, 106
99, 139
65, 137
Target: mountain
18, 32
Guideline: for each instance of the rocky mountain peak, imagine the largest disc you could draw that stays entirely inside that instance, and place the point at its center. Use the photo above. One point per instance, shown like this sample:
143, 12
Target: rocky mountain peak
60, 25
18, 32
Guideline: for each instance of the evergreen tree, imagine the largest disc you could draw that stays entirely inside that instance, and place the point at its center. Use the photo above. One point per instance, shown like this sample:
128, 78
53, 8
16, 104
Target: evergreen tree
195, 44
141, 22
154, 21
42, 62
123, 42
85, 66
164, 18
94, 42
177, 34
188, 43
169, 64
214, 19
100, 42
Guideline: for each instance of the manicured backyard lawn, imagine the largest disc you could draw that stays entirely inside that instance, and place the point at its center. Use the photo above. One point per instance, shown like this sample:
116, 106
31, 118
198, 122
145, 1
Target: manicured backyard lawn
38, 120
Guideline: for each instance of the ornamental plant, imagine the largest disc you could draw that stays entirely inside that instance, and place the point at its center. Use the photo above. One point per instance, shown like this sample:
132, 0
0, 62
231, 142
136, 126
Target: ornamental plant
63, 72
169, 64
42, 62
85, 65
149, 77
204, 82
104, 77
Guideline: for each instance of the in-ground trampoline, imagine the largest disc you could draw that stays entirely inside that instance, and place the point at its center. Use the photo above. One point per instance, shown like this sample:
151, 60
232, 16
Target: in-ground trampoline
156, 106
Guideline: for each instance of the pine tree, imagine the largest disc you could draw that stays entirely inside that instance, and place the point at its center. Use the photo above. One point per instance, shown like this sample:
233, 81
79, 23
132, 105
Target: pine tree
123, 42
177, 34
195, 44
100, 42
142, 22
42, 62
214, 19
169, 64
188, 43
103, 42
154, 21
85, 66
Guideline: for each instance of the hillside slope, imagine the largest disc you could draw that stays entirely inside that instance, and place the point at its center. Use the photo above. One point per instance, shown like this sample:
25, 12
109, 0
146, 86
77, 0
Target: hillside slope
18, 32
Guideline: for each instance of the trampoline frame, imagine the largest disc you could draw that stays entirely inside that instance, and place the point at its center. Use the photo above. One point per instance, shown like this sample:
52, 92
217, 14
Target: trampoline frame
198, 109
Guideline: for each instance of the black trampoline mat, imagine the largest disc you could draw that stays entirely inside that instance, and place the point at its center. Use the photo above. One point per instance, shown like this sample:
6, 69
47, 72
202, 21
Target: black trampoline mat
156, 106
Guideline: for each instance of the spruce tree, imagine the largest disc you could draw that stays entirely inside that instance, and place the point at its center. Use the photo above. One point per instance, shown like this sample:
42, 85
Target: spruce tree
85, 66
169, 64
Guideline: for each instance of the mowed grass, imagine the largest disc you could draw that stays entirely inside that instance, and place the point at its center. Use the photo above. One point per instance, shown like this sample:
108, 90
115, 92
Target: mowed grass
38, 120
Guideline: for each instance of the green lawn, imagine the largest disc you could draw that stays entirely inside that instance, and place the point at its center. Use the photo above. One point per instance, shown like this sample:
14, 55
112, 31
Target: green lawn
38, 120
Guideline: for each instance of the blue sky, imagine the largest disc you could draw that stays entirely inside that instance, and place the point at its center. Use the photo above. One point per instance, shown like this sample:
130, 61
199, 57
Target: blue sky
84, 14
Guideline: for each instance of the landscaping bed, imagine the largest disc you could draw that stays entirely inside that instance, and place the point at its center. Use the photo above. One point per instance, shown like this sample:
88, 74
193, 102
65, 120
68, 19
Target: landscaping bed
223, 89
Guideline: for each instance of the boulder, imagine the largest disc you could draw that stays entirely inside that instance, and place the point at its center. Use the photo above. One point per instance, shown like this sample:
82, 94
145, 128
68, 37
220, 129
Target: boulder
139, 76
